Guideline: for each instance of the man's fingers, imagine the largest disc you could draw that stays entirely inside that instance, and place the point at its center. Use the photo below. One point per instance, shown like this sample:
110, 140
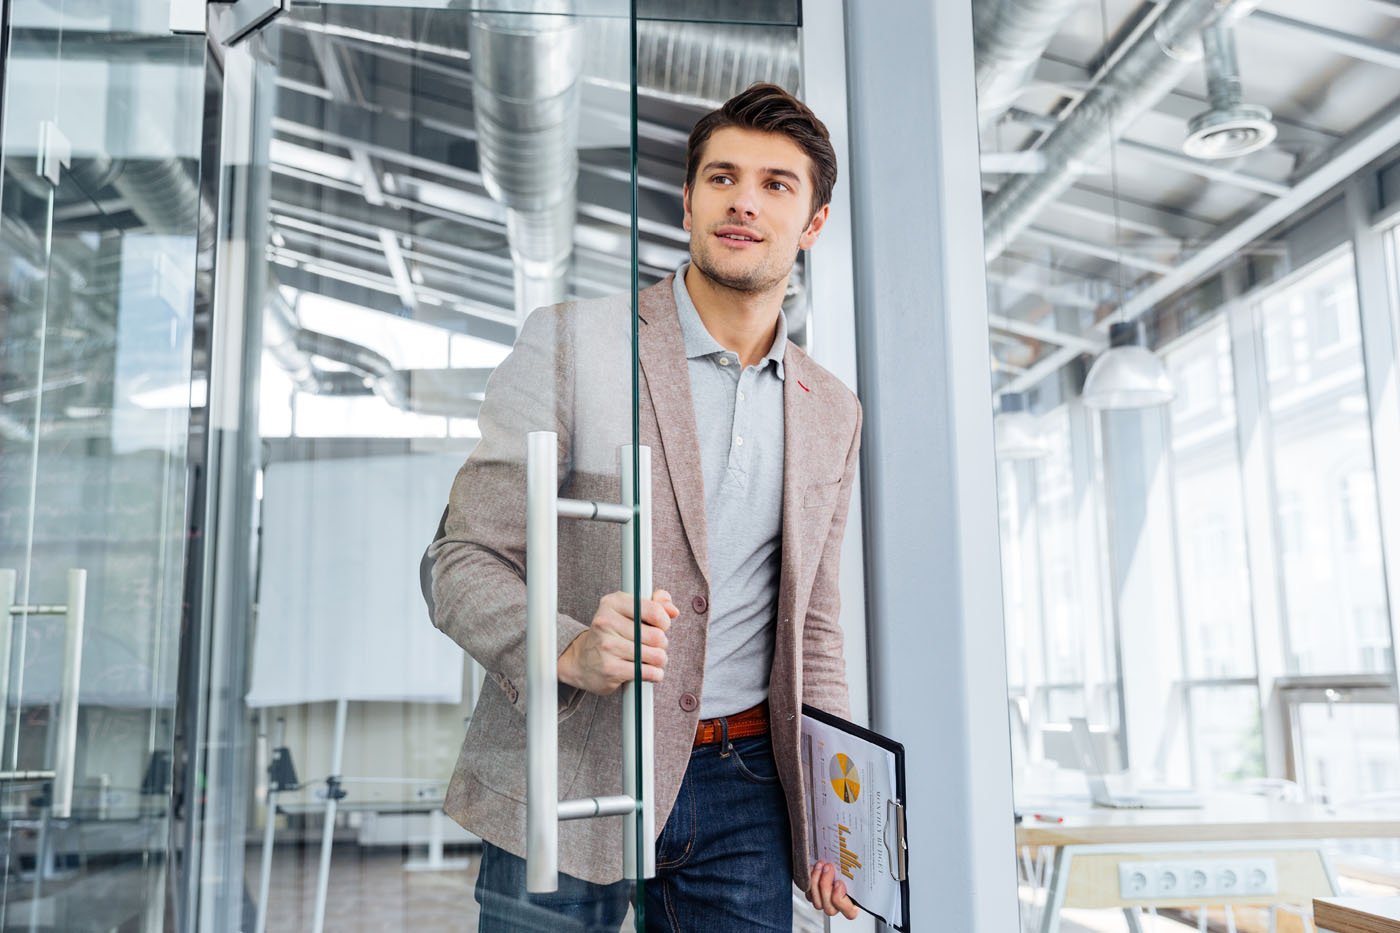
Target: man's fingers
619, 672
843, 901
822, 874
664, 598
614, 623
654, 612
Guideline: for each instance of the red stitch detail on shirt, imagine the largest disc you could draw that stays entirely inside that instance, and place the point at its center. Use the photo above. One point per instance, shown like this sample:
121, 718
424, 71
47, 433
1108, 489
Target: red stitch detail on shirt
804, 388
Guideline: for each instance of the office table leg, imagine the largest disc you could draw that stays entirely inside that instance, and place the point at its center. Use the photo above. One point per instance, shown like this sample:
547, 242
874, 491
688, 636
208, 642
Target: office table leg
1055, 893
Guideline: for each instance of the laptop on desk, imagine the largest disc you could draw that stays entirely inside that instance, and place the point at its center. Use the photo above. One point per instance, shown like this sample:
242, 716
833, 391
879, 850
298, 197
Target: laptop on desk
1098, 782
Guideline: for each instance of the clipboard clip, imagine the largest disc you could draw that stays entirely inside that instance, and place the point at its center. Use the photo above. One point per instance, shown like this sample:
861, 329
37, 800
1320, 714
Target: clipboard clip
899, 852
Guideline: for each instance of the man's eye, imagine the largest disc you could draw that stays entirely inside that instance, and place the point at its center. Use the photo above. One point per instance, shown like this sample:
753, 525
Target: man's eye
778, 185
722, 180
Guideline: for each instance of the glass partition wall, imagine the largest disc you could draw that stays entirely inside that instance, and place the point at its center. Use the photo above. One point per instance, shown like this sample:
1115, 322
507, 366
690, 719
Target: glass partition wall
99, 219
1193, 353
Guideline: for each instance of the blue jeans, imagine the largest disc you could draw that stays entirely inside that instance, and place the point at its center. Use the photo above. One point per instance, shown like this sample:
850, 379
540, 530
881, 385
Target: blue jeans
723, 861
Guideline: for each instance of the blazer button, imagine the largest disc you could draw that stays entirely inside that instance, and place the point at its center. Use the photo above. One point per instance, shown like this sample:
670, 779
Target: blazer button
699, 604
688, 701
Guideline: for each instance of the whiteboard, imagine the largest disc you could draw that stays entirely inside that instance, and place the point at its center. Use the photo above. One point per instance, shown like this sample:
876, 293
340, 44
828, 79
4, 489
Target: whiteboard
341, 613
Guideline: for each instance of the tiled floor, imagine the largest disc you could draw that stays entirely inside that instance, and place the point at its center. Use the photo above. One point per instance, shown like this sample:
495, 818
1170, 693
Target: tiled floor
369, 891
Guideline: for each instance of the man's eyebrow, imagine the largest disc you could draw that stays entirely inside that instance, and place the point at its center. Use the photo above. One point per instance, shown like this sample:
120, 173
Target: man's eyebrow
789, 174
720, 166
783, 173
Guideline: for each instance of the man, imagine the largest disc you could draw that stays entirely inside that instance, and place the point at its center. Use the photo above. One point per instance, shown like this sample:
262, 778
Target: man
754, 450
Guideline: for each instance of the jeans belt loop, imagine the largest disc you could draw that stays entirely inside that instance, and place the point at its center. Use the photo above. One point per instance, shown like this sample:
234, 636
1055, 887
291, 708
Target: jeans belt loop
724, 747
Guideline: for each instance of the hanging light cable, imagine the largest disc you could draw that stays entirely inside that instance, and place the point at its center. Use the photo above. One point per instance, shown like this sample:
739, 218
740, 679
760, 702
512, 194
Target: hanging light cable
1127, 374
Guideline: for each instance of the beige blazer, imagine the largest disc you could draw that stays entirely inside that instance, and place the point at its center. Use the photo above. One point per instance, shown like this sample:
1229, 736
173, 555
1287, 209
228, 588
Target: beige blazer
569, 373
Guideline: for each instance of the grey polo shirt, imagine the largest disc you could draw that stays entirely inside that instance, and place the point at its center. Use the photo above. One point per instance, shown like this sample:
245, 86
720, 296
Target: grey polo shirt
739, 423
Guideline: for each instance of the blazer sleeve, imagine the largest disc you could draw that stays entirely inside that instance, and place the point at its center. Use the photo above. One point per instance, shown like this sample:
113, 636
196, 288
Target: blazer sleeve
473, 574
823, 663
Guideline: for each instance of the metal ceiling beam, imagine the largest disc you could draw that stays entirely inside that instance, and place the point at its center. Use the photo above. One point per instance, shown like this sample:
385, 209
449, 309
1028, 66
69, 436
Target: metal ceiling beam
1039, 370
448, 318
1063, 293
1147, 219
1091, 344
1111, 253
1203, 168
1359, 47
398, 268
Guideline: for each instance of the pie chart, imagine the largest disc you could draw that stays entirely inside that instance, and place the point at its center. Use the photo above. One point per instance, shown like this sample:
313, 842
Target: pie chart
844, 778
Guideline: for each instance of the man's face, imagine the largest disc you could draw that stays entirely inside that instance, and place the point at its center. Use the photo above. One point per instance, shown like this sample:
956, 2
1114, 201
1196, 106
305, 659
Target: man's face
750, 209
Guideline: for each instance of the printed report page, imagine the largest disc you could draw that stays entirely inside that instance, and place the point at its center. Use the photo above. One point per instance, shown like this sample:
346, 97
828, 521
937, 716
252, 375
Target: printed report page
851, 787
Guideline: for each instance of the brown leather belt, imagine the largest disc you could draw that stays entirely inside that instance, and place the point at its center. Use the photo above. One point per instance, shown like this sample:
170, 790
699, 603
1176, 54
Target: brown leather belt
743, 725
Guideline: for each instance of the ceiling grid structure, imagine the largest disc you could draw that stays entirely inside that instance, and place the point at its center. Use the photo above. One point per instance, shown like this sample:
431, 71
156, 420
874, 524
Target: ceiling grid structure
1088, 189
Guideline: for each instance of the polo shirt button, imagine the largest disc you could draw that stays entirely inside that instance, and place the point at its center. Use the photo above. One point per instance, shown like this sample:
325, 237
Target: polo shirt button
699, 604
688, 701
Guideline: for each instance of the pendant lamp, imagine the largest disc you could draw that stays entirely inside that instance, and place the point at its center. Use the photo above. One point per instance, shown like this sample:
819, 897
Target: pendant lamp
1017, 436
1127, 374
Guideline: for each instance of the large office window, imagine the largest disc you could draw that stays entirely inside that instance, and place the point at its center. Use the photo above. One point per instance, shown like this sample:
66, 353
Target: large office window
1211, 547
1330, 554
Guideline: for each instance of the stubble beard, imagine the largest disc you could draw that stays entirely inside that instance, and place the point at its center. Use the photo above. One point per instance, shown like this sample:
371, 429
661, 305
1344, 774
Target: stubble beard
761, 278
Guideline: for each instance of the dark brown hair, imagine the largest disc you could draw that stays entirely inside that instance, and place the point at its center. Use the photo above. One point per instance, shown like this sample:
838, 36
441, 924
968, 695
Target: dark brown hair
770, 109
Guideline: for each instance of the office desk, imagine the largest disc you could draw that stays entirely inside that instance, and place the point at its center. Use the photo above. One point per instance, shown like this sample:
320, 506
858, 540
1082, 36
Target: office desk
1357, 914
1084, 852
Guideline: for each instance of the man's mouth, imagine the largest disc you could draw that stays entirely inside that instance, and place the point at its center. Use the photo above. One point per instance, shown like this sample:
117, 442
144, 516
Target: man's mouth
736, 235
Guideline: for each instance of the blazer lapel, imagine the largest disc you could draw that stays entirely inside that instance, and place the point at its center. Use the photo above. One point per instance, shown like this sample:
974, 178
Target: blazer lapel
799, 407
663, 361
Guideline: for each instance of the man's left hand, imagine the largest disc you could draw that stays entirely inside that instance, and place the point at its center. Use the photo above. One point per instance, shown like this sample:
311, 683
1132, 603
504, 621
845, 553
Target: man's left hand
829, 895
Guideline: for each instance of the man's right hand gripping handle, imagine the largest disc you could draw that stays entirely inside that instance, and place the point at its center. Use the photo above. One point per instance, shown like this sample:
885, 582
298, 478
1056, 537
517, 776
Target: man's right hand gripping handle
601, 659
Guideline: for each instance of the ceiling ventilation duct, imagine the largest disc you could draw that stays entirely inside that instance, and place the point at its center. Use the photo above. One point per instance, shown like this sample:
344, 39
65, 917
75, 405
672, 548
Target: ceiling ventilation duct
525, 74
1011, 35
1151, 67
703, 64
1229, 128
454, 393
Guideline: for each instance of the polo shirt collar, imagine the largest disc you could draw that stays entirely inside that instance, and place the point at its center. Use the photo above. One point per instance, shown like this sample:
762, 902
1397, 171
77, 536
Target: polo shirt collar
700, 342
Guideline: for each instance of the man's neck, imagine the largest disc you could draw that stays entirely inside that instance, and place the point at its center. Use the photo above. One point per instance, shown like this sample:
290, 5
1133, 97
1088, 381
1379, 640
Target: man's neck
744, 322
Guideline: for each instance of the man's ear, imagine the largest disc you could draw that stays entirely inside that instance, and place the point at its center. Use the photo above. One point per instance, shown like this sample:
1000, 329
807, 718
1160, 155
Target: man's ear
685, 200
814, 227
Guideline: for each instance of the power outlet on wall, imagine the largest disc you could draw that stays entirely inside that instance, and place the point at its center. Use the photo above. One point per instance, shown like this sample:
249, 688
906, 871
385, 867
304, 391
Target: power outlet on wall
1191, 878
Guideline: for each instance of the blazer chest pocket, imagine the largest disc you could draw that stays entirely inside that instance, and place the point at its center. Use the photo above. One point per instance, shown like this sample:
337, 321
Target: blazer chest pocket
821, 495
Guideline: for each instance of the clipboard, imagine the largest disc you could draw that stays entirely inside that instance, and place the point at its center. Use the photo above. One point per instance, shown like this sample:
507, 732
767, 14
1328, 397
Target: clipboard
895, 840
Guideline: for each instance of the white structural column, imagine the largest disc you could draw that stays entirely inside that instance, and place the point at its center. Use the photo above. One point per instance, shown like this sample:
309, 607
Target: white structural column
1142, 558
1380, 346
933, 587
833, 320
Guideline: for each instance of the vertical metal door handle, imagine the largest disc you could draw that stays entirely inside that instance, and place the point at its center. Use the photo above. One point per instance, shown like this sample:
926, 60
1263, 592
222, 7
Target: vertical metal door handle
7, 602
638, 489
67, 746
541, 662
543, 808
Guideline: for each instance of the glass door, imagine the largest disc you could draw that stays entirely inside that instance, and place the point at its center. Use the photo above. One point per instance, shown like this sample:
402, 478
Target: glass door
428, 252
101, 210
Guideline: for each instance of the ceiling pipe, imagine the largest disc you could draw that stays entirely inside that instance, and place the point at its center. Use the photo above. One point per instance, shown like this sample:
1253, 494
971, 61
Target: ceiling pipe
1150, 68
1011, 36
525, 95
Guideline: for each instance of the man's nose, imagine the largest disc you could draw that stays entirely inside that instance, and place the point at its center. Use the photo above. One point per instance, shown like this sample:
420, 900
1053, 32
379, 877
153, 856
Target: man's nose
744, 202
